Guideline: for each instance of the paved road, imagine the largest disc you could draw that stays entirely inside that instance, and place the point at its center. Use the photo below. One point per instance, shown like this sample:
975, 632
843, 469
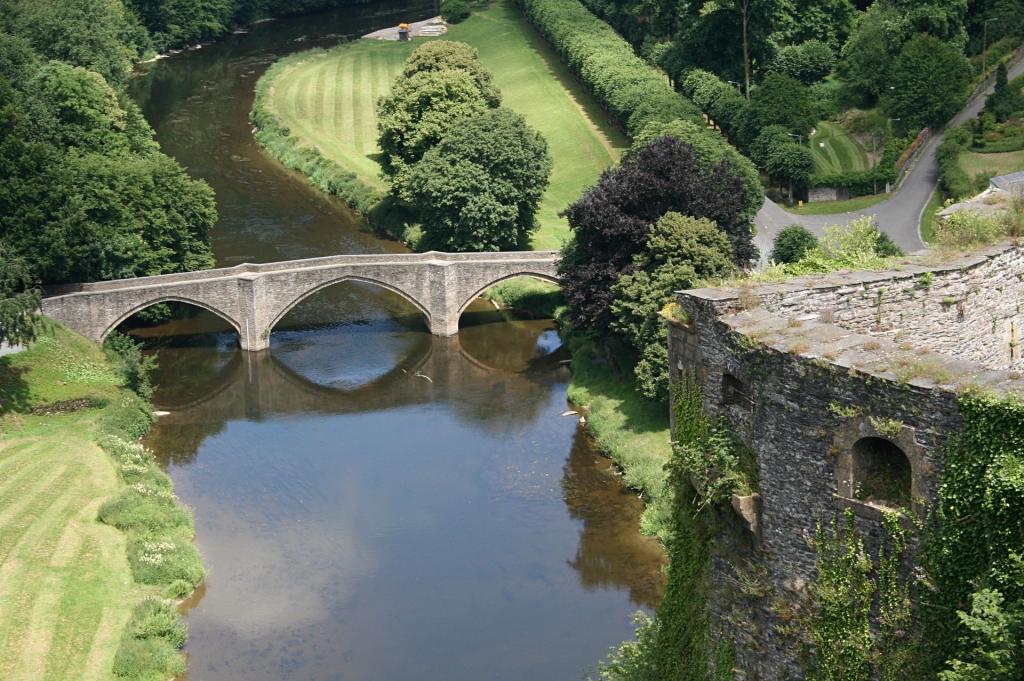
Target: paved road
899, 215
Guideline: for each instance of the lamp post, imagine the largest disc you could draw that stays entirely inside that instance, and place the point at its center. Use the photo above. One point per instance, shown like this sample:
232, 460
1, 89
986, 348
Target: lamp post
801, 137
739, 87
984, 48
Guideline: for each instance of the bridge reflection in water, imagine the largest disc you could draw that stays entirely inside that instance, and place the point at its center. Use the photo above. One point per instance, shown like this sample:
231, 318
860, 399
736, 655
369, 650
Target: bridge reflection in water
332, 482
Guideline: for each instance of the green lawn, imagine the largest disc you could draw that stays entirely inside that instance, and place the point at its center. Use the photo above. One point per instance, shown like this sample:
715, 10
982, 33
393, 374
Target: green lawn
328, 101
65, 587
832, 207
996, 164
841, 152
929, 217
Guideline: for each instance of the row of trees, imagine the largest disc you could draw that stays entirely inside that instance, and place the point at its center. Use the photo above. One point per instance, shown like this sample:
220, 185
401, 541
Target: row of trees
472, 172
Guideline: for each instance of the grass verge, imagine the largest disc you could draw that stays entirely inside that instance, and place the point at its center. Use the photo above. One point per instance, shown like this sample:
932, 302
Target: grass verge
67, 585
628, 428
929, 218
315, 111
527, 296
833, 207
836, 151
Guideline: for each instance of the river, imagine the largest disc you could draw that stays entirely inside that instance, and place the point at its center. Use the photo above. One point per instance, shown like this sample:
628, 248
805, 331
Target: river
372, 502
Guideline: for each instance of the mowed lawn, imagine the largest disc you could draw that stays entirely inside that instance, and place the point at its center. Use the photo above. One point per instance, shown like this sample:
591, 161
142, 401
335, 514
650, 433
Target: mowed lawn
835, 150
995, 164
328, 100
65, 586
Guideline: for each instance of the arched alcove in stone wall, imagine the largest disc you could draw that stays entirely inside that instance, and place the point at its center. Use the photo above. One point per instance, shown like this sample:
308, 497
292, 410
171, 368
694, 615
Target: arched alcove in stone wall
881, 473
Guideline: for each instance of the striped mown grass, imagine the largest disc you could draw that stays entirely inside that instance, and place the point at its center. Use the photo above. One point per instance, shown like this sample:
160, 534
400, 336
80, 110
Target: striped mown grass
842, 153
327, 99
64, 578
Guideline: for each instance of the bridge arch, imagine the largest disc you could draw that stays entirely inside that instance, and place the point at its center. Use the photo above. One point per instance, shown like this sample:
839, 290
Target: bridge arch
525, 273
365, 280
172, 299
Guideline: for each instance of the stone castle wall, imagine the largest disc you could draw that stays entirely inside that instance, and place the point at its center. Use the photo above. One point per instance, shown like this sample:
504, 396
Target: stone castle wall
804, 371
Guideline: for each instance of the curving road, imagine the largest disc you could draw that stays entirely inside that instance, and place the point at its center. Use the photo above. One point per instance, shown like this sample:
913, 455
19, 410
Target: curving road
899, 216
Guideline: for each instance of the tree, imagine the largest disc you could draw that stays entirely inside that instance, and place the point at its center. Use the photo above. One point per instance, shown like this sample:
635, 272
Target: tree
710, 149
779, 100
792, 163
868, 55
791, 243
681, 253
929, 82
611, 222
808, 62
81, 32
1002, 103
451, 55
420, 110
454, 11
764, 145
19, 299
479, 189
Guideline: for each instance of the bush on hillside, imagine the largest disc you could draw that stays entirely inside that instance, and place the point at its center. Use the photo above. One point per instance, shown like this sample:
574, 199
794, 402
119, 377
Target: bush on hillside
681, 253
620, 80
792, 243
808, 62
454, 11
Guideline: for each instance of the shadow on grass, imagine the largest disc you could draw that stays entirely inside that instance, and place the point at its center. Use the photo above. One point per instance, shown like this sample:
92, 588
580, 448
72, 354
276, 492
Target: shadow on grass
14, 389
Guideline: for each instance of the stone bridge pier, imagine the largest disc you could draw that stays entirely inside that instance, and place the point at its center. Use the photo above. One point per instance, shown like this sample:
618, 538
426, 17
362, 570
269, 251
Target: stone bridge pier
254, 298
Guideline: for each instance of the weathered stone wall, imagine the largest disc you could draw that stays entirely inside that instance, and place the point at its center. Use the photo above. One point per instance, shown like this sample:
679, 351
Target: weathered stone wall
802, 393
969, 307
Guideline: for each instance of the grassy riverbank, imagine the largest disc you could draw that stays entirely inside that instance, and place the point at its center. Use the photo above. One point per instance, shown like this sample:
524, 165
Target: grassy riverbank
67, 588
326, 100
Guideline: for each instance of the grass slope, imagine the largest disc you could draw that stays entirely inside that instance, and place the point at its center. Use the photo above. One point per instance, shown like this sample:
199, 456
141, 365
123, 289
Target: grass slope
65, 587
328, 100
842, 153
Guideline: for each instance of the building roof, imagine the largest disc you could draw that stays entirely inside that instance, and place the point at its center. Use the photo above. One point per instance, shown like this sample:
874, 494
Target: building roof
1011, 182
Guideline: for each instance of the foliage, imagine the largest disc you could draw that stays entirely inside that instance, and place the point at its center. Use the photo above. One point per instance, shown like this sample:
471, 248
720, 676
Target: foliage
420, 110
858, 245
791, 162
451, 55
621, 81
928, 83
611, 221
1002, 103
807, 62
133, 367
792, 243
480, 187
953, 177
150, 642
840, 628
681, 253
710, 150
721, 101
867, 56
779, 100
18, 300
975, 544
454, 11
965, 230
528, 297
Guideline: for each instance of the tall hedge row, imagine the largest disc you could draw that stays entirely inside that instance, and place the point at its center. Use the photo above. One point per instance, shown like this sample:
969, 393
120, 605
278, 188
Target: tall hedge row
719, 100
623, 82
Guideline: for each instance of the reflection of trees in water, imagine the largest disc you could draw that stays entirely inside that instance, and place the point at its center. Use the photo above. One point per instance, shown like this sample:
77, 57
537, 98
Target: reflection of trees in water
611, 552
178, 443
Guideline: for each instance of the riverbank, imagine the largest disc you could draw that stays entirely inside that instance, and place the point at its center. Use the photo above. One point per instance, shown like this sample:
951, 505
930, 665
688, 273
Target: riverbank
69, 584
315, 112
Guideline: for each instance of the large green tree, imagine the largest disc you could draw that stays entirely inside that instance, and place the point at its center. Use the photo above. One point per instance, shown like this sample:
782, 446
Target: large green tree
929, 82
451, 55
779, 100
480, 187
681, 253
420, 110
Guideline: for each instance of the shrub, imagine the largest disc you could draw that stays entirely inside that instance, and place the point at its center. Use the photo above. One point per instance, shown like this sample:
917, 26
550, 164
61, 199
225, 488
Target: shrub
164, 559
620, 80
719, 100
128, 414
451, 55
148, 513
149, 645
792, 243
808, 62
964, 229
454, 11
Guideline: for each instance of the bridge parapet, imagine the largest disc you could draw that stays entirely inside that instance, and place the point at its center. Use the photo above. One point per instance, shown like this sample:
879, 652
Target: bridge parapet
254, 297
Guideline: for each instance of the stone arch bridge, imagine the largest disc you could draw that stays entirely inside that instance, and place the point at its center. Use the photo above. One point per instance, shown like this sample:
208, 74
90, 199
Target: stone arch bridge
253, 298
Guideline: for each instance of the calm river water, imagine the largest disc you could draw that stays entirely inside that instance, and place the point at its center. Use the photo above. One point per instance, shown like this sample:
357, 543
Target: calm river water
372, 502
